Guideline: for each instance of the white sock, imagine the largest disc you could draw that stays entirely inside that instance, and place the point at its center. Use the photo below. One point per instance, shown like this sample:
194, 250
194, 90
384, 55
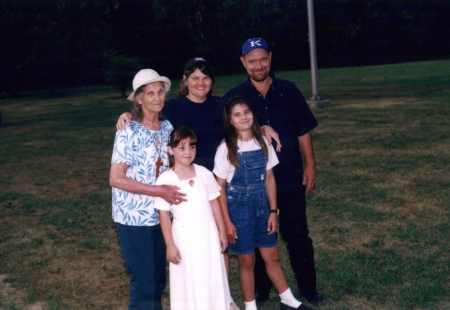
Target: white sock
288, 298
251, 305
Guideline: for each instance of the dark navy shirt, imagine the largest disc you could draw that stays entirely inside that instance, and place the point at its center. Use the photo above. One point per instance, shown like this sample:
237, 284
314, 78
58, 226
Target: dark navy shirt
204, 118
284, 108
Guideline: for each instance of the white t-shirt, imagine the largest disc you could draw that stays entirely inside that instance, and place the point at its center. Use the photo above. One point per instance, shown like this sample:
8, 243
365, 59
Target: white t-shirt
225, 170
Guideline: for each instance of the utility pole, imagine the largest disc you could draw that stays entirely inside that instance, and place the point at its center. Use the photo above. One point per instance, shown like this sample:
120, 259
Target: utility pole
316, 101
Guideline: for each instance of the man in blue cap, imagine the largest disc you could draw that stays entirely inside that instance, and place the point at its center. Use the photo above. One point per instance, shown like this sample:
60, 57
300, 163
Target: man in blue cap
280, 104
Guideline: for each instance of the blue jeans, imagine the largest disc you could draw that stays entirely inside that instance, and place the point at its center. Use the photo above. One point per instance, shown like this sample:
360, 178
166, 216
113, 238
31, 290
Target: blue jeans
144, 252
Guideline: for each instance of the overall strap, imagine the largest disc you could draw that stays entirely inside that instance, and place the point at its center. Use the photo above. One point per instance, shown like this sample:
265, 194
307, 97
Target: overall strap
251, 175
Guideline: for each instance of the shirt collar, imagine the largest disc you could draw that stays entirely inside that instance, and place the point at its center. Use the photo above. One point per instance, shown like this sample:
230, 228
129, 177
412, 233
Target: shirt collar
272, 86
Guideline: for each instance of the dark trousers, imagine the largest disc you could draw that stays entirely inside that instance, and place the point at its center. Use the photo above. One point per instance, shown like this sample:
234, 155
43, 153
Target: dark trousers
294, 230
144, 252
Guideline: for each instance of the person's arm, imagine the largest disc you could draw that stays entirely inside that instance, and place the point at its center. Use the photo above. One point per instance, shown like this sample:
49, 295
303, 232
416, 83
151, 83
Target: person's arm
123, 121
119, 179
172, 253
230, 229
272, 222
270, 134
217, 212
309, 175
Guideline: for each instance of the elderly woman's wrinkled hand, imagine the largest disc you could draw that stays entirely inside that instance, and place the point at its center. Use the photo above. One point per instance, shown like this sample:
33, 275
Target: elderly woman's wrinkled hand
171, 194
123, 121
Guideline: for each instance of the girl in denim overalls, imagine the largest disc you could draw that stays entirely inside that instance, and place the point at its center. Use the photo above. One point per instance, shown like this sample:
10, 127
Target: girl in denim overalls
243, 168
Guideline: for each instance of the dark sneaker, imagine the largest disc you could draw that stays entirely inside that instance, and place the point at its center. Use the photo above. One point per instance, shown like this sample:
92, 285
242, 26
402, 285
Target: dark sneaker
313, 297
301, 307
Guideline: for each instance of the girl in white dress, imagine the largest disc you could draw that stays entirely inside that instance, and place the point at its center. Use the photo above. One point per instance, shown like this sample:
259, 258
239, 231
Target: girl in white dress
196, 237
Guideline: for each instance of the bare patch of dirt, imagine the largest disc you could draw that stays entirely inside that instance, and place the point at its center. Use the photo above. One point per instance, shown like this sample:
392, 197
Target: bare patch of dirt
9, 294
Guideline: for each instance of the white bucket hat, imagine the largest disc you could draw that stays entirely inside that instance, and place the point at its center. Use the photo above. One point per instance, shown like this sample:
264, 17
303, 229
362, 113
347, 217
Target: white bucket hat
147, 76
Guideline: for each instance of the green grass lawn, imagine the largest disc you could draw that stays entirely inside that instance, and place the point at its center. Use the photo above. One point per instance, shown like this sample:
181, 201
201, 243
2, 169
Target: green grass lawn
379, 215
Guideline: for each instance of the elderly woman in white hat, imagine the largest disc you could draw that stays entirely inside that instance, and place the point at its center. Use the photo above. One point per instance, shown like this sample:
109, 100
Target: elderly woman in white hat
196, 108
139, 156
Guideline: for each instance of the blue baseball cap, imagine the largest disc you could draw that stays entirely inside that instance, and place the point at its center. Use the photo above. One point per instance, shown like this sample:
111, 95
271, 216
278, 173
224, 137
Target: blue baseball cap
254, 43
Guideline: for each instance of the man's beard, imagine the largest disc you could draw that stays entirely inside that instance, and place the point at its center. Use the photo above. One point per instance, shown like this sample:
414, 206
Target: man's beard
259, 78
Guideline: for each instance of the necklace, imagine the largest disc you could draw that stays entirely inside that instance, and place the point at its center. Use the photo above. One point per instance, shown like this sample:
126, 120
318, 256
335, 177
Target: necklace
159, 162
155, 127
151, 126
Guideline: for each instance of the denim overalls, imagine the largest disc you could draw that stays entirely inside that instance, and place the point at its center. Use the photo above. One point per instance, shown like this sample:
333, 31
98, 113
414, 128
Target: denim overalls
248, 206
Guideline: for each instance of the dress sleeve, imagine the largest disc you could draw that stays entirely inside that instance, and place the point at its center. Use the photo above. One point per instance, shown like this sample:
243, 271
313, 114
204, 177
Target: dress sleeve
160, 203
209, 182
212, 187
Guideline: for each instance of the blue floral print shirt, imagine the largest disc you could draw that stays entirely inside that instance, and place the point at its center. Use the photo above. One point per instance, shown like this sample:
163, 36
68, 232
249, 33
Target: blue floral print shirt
136, 146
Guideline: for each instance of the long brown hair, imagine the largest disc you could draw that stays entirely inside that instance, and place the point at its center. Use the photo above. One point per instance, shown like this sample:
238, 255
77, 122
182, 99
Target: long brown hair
231, 134
177, 136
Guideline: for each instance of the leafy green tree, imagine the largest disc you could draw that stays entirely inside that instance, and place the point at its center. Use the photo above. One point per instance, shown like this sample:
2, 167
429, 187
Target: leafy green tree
54, 42
216, 29
119, 70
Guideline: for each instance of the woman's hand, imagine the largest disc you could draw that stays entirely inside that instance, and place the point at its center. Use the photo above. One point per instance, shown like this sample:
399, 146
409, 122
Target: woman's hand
230, 230
170, 194
173, 255
272, 224
223, 241
123, 121
270, 134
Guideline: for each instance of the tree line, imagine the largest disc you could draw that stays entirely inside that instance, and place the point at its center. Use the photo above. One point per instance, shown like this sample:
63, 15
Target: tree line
60, 43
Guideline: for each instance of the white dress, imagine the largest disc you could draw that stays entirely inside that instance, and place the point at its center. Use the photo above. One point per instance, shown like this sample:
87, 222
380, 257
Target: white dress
199, 281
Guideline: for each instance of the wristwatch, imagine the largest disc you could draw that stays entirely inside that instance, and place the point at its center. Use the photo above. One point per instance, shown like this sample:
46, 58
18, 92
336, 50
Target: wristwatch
277, 211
